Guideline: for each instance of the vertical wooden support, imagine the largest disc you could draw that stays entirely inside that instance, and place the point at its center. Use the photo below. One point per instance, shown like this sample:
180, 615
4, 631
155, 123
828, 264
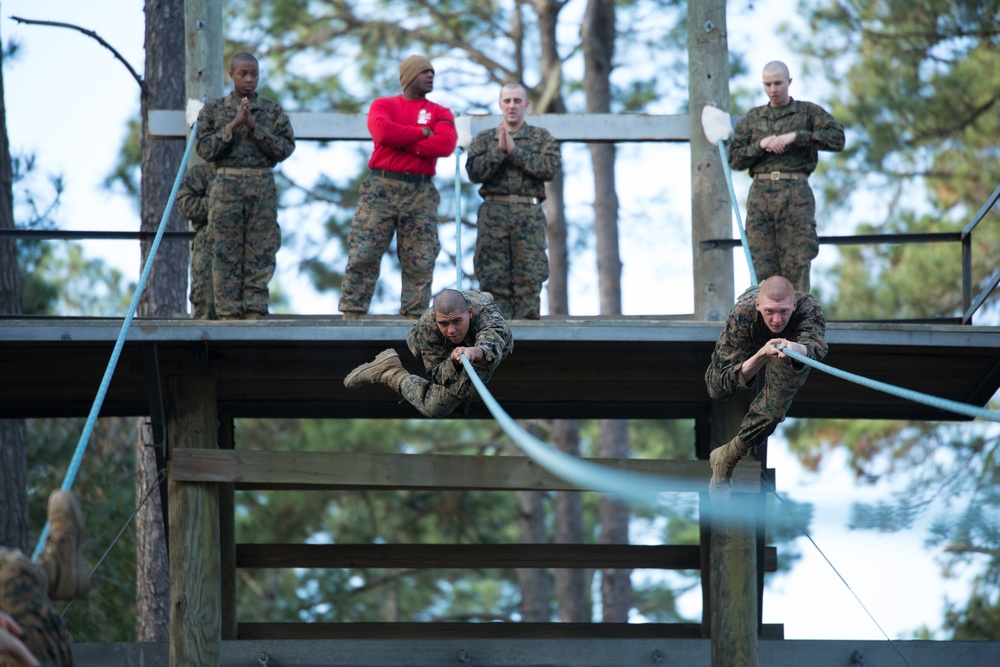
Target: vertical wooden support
227, 535
195, 635
203, 58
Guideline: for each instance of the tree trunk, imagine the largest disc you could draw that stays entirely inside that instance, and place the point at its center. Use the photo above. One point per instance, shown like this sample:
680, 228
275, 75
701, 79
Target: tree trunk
13, 440
571, 584
536, 591
598, 33
164, 296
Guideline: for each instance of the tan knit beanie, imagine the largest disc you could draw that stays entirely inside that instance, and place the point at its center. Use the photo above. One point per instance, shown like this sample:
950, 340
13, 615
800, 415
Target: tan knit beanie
411, 67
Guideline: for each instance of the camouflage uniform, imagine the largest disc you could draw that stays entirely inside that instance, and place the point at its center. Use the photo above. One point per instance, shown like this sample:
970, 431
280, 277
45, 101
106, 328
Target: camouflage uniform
409, 210
192, 202
744, 335
449, 386
781, 214
23, 595
510, 259
243, 209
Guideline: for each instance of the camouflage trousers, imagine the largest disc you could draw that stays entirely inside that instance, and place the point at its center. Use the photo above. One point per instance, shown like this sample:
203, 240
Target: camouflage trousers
23, 595
510, 258
202, 295
409, 211
769, 407
781, 230
245, 237
438, 400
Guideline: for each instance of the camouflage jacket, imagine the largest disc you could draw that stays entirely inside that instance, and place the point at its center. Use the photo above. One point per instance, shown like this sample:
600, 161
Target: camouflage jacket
487, 329
524, 172
746, 333
270, 142
815, 130
192, 195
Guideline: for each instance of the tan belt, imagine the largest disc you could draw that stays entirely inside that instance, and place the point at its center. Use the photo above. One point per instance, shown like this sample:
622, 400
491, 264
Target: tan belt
238, 171
513, 199
781, 176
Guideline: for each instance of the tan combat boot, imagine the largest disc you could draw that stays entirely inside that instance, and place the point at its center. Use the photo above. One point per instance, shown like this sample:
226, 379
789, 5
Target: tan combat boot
385, 369
62, 558
350, 315
723, 461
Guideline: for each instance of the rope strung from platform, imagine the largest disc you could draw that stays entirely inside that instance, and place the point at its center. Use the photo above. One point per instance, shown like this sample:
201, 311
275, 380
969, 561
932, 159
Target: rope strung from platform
458, 219
718, 127
95, 409
965, 409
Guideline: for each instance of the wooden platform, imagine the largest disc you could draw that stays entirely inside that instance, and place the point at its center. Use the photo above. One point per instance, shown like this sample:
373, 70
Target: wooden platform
568, 368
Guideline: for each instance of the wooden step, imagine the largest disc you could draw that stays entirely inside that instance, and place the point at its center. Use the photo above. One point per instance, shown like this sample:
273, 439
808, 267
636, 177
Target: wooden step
337, 470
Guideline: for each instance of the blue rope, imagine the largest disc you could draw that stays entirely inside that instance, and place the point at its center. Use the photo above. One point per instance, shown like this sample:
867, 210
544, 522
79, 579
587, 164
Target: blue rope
909, 394
736, 210
95, 409
458, 220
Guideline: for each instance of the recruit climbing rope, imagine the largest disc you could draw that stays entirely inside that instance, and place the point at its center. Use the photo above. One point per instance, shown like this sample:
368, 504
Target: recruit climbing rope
95, 409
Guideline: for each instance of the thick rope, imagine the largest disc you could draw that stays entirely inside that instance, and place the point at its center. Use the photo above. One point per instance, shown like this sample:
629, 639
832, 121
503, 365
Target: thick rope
458, 219
95, 409
736, 210
909, 394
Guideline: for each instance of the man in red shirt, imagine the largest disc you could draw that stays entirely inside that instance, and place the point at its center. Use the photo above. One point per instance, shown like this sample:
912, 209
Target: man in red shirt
410, 133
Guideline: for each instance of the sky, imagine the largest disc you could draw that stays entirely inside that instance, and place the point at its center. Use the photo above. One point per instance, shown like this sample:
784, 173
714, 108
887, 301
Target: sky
68, 101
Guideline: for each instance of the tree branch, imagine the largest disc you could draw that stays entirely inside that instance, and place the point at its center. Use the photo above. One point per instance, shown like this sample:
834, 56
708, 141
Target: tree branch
94, 35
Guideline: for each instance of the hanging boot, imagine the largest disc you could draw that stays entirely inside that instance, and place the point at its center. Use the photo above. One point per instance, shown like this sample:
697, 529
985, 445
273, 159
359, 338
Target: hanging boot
385, 369
723, 461
62, 560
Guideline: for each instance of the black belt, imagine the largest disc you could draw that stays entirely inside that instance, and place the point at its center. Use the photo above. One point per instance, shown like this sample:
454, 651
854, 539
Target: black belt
400, 176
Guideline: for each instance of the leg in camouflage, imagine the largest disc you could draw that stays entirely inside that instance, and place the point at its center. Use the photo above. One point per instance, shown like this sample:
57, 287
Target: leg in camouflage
768, 408
762, 228
492, 262
371, 231
418, 246
438, 400
202, 295
263, 239
227, 230
23, 597
798, 245
530, 263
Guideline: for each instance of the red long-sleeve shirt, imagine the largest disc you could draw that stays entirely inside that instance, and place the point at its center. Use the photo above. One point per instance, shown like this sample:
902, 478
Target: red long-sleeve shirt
396, 125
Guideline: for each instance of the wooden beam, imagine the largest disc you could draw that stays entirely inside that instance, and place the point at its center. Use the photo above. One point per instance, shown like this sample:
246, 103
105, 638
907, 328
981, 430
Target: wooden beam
593, 128
476, 556
389, 631
338, 470
195, 621
528, 652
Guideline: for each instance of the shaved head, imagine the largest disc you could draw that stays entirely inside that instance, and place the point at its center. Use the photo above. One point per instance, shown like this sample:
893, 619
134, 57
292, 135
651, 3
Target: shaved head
450, 300
241, 57
777, 67
777, 288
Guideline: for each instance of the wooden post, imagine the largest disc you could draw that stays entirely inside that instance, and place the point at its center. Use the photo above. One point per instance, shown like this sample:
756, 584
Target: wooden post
730, 578
227, 535
195, 624
203, 58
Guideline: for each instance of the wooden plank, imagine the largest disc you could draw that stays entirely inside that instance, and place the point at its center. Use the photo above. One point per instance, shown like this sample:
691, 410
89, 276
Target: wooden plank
595, 128
389, 631
476, 556
338, 470
586, 652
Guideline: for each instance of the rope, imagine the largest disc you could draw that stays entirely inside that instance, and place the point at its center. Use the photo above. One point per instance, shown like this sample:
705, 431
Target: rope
736, 210
909, 394
802, 529
95, 409
458, 219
